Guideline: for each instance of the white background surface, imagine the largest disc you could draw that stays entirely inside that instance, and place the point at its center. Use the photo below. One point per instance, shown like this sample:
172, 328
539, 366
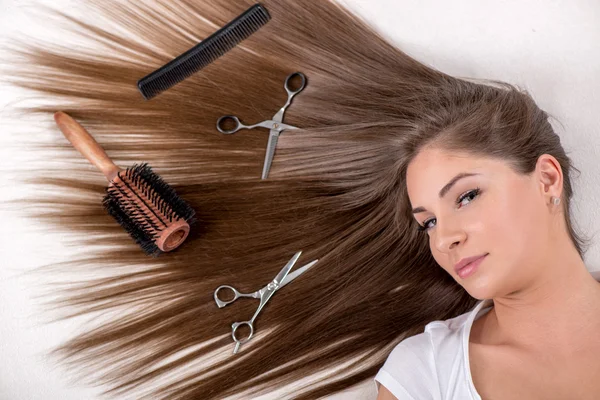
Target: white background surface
549, 47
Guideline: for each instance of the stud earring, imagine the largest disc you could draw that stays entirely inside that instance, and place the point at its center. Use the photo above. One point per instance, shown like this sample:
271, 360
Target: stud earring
556, 200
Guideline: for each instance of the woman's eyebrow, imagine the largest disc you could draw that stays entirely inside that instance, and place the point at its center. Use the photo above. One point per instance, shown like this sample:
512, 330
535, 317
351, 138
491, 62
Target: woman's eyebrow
447, 188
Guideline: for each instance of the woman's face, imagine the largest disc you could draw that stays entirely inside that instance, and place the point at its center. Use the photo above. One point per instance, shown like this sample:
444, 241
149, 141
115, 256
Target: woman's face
494, 212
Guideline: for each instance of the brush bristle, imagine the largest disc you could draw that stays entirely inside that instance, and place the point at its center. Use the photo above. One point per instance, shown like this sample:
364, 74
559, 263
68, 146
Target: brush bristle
144, 204
205, 52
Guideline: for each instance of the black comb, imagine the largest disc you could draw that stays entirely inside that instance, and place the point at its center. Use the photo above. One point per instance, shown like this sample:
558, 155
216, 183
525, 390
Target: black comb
204, 52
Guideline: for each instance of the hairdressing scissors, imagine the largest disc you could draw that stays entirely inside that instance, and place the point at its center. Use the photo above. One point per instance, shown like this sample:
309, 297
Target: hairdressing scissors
263, 294
275, 124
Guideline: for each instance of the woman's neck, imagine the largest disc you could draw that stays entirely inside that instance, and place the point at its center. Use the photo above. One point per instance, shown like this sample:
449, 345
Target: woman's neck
560, 313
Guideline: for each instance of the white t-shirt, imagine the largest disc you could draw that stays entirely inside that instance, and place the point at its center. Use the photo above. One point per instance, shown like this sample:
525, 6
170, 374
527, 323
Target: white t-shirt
434, 365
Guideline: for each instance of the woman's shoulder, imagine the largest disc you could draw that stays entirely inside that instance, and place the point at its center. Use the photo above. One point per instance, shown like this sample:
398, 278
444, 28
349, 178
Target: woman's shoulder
409, 370
423, 345
420, 365
421, 349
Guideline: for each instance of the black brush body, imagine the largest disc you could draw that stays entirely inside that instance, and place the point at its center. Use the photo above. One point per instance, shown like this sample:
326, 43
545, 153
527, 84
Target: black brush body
146, 215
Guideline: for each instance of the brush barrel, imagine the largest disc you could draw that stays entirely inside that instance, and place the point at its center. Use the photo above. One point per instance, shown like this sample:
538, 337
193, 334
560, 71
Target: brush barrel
173, 236
145, 208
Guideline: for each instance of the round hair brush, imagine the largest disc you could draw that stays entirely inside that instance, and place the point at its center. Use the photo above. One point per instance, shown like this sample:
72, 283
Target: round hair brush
146, 206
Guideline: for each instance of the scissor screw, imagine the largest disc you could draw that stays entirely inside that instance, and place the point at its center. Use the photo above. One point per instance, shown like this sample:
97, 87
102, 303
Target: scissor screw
272, 286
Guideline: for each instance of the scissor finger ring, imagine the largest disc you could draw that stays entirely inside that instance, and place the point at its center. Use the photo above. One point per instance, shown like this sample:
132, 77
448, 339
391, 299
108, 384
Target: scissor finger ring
223, 303
239, 342
229, 119
288, 87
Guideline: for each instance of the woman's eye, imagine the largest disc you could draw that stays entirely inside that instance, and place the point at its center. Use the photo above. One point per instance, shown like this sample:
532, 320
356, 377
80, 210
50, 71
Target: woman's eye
474, 193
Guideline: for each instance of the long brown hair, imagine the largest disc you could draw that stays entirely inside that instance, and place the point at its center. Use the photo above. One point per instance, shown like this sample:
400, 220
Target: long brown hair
336, 191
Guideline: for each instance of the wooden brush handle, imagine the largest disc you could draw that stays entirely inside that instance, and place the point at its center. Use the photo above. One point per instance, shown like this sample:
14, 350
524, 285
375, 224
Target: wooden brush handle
86, 145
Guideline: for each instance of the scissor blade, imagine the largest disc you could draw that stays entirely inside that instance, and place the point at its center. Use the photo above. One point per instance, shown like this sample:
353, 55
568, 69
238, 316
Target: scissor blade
296, 273
284, 271
274, 125
273, 136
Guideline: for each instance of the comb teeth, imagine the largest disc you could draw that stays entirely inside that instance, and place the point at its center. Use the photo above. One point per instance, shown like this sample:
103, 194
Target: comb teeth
145, 205
204, 53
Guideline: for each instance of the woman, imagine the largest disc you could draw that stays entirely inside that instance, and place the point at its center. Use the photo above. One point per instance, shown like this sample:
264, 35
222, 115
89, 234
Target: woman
537, 336
380, 134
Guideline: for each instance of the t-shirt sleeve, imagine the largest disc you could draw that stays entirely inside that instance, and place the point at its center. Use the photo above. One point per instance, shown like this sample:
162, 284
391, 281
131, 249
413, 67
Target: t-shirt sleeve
409, 371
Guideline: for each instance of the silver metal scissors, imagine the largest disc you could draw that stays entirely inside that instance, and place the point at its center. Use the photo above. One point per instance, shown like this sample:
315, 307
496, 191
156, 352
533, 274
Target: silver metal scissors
275, 124
263, 294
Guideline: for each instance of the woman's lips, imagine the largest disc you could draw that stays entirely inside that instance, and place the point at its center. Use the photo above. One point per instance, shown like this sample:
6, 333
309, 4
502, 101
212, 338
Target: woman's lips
470, 268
